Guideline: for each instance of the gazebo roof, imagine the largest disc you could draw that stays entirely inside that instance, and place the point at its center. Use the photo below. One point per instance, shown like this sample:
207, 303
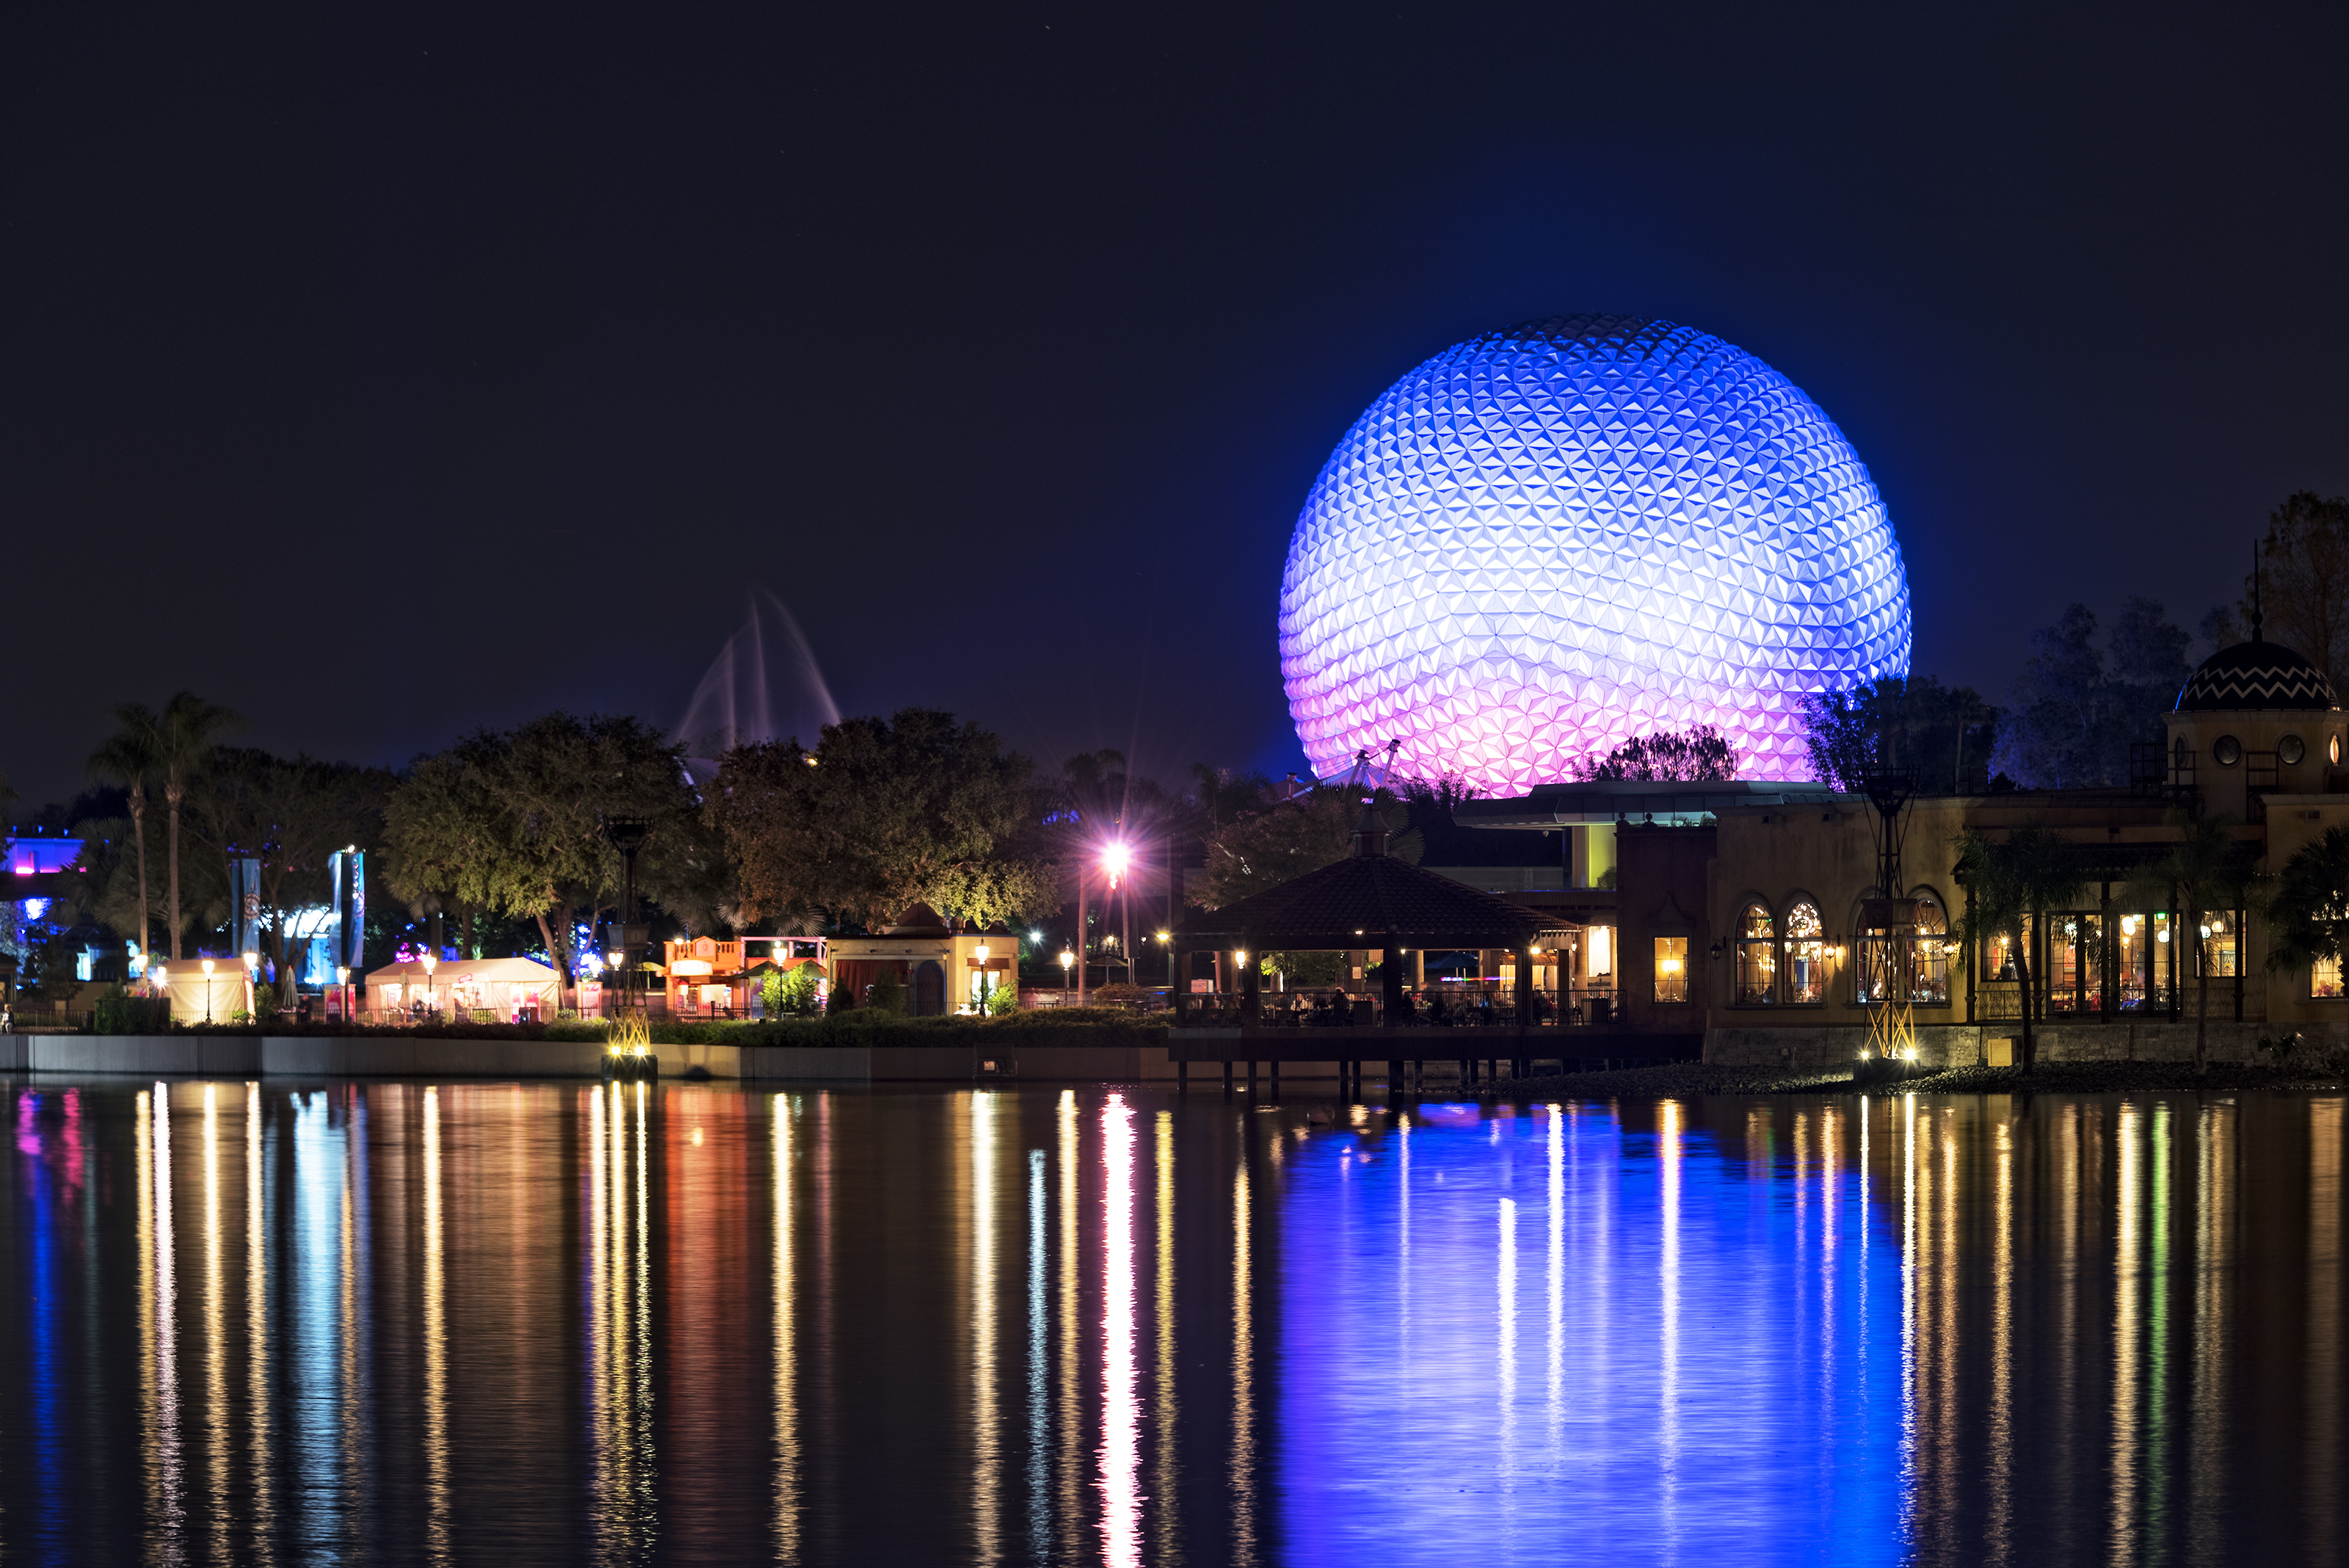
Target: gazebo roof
1369, 900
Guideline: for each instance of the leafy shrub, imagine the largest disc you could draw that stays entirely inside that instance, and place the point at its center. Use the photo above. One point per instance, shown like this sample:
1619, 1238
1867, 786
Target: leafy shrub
133, 1015
888, 994
790, 994
1003, 1001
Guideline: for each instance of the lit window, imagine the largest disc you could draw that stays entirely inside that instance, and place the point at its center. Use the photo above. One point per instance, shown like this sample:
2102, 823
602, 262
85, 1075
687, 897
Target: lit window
2218, 945
1929, 956
2324, 977
1806, 955
1671, 969
1757, 957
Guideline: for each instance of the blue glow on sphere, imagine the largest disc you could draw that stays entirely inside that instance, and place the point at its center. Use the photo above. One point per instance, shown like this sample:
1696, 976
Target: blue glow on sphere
1547, 540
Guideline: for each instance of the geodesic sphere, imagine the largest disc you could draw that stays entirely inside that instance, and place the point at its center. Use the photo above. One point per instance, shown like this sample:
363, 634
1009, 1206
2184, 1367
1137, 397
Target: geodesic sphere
1547, 540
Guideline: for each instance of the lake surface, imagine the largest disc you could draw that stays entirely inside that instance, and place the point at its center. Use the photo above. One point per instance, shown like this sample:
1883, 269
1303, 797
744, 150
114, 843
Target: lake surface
396, 1322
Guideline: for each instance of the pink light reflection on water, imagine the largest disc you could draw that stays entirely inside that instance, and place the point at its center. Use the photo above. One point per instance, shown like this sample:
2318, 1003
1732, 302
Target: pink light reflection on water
1120, 1448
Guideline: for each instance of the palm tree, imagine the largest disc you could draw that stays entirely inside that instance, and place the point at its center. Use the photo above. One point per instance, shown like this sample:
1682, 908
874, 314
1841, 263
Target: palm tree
2308, 913
2011, 885
2205, 871
131, 758
187, 735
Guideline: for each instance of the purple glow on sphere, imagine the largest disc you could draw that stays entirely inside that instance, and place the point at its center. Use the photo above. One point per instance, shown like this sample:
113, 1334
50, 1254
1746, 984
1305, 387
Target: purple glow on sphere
1547, 540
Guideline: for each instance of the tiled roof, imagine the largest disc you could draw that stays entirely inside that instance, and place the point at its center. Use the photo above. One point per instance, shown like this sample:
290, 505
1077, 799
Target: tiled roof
1365, 900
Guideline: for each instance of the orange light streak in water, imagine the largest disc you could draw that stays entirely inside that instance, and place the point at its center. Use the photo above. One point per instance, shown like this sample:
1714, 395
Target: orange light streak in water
1121, 1447
215, 1334
256, 1321
1998, 1543
2126, 1547
169, 1518
787, 1422
986, 1443
2323, 1325
148, 1427
1243, 1468
1165, 1547
436, 1341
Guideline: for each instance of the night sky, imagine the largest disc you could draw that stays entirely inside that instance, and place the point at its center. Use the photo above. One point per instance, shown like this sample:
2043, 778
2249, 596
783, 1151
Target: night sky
387, 373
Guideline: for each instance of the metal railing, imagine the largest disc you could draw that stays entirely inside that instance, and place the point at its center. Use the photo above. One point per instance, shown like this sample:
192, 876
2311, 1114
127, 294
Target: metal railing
1469, 1005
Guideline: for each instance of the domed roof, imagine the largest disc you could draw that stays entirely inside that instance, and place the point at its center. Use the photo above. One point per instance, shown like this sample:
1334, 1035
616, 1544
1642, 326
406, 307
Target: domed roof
2256, 675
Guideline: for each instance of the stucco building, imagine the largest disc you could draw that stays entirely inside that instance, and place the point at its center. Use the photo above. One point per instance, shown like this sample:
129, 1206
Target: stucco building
1760, 914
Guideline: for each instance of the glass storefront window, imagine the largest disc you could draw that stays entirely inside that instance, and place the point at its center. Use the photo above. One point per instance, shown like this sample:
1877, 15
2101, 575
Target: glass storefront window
1757, 957
2324, 977
1671, 969
2217, 932
1929, 963
1806, 955
1998, 959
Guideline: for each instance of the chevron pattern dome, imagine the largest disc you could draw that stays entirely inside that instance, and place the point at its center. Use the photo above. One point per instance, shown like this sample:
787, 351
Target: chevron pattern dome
2256, 675
1547, 540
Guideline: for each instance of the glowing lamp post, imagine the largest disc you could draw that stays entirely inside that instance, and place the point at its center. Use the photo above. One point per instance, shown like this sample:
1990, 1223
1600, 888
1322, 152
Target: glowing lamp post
1117, 860
431, 996
1067, 957
159, 985
208, 991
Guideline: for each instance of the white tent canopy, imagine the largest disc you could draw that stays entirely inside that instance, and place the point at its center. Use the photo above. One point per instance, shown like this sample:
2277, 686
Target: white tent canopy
503, 986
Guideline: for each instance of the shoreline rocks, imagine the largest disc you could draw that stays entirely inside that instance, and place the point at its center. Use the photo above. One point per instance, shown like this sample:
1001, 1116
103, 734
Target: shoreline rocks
1679, 1078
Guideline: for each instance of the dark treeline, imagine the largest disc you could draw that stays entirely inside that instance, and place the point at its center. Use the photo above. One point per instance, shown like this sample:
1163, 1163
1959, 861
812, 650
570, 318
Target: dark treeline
499, 845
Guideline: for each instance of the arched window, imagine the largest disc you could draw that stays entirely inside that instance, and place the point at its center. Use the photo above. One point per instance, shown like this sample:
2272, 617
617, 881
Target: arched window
1806, 955
1757, 956
1929, 972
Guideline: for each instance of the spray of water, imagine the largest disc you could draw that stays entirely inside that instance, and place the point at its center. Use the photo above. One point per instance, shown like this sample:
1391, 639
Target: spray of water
741, 700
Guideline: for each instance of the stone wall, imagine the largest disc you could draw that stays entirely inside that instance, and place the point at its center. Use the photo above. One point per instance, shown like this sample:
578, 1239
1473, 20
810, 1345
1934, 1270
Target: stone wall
409, 1056
1962, 1044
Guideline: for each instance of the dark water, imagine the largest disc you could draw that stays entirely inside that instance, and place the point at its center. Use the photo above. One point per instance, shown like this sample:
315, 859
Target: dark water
383, 1322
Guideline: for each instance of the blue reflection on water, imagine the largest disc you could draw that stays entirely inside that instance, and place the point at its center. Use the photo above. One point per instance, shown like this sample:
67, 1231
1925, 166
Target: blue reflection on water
1525, 1339
42, 1294
321, 1218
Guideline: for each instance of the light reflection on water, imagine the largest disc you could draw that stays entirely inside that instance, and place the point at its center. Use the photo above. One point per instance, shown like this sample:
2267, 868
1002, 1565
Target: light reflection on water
636, 1324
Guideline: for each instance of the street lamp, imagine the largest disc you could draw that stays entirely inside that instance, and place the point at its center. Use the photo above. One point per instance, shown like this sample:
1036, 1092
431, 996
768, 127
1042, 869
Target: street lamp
208, 991
432, 996
1067, 957
980, 952
627, 834
1166, 941
158, 979
1116, 860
